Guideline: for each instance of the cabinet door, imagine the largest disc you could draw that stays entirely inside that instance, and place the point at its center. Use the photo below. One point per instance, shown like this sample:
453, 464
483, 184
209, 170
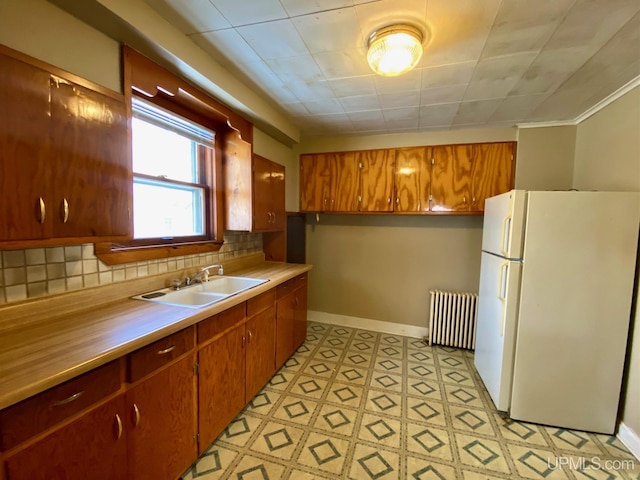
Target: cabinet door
451, 178
315, 175
162, 423
285, 324
299, 316
93, 185
261, 350
93, 446
343, 195
376, 180
220, 384
24, 139
278, 194
262, 194
412, 180
492, 172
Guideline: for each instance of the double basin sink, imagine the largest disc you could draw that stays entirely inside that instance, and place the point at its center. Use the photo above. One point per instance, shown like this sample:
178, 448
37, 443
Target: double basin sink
202, 294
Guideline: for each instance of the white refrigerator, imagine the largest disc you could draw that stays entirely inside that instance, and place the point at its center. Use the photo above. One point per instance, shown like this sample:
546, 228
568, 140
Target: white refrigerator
556, 284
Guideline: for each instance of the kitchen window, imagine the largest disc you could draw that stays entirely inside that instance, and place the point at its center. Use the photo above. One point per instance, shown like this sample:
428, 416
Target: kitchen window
170, 192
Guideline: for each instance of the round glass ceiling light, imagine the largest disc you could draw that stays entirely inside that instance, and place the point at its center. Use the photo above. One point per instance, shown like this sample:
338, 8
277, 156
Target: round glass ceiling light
394, 50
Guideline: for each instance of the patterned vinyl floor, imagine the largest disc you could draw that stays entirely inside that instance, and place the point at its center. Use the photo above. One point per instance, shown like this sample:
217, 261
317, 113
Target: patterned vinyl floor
357, 404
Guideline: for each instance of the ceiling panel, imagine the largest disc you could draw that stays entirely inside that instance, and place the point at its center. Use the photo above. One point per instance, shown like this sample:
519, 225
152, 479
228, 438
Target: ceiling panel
485, 62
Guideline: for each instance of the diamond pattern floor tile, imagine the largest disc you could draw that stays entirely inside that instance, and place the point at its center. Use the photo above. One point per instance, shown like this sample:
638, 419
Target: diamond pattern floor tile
362, 405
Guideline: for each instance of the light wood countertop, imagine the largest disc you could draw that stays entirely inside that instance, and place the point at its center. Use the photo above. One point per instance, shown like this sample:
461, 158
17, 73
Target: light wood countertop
49, 341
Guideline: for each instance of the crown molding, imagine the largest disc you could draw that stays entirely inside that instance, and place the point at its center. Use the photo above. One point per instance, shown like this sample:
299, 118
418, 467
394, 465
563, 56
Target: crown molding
626, 88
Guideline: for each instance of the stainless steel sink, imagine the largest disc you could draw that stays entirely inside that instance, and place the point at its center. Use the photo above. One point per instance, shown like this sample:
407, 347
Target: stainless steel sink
202, 294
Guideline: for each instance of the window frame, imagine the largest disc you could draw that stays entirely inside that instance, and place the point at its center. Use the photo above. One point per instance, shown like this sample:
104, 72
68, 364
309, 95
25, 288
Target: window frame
154, 84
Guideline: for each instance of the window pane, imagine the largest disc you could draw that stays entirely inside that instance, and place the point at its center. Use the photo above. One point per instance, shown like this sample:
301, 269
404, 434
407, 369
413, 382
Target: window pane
165, 210
162, 153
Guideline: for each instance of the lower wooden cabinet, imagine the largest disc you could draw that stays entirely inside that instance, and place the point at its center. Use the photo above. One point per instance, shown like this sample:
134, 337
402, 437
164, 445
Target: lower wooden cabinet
220, 383
93, 446
161, 423
291, 318
260, 355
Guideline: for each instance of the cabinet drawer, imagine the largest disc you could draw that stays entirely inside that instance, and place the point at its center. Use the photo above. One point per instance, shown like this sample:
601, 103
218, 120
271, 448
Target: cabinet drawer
261, 302
217, 324
149, 358
289, 286
34, 415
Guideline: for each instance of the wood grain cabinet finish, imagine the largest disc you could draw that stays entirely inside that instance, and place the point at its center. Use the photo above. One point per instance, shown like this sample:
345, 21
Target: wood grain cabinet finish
376, 180
65, 168
261, 346
161, 423
93, 446
444, 179
291, 318
412, 180
329, 182
152, 357
221, 383
254, 190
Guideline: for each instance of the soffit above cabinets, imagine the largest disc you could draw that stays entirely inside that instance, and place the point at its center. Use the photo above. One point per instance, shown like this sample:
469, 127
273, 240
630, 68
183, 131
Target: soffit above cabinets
486, 63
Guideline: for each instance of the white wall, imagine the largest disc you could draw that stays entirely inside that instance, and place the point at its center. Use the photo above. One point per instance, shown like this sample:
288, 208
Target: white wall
608, 158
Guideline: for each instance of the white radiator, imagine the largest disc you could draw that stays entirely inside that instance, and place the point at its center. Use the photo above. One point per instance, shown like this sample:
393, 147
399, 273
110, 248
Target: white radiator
452, 319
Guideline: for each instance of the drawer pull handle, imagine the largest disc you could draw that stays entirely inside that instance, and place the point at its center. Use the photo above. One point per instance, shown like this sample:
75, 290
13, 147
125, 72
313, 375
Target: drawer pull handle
119, 425
166, 350
136, 414
67, 400
43, 210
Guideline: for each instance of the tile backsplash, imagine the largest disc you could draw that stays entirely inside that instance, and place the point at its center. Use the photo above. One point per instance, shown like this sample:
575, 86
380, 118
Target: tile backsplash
37, 272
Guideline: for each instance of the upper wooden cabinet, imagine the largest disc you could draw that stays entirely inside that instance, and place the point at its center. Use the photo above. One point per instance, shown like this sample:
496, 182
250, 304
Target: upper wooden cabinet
412, 180
254, 189
65, 168
444, 179
375, 186
329, 182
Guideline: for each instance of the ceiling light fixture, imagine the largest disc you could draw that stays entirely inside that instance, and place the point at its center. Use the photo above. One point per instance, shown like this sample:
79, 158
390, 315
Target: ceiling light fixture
394, 50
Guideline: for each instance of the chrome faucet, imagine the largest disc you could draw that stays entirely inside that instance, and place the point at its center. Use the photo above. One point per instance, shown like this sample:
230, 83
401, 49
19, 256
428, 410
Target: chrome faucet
203, 274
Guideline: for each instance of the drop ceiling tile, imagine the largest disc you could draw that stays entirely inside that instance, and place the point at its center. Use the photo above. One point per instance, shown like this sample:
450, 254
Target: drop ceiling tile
406, 117
517, 109
190, 17
330, 31
446, 75
239, 13
402, 99
360, 103
303, 7
450, 94
311, 91
341, 64
267, 81
476, 112
273, 40
295, 109
409, 81
369, 119
296, 69
347, 87
459, 30
523, 25
495, 77
227, 44
437, 115
324, 106
577, 29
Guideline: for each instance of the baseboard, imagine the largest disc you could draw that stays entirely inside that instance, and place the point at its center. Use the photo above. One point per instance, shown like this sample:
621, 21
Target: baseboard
630, 439
368, 324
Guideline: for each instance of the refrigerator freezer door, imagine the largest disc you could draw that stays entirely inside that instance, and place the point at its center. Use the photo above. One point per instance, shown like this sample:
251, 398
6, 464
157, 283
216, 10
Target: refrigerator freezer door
496, 329
577, 285
504, 224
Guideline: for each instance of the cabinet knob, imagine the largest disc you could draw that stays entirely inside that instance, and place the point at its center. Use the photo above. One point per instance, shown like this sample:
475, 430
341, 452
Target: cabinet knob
43, 210
65, 210
136, 415
118, 427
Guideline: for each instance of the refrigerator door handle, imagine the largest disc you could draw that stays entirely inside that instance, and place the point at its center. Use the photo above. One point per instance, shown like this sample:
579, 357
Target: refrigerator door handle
506, 235
502, 293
